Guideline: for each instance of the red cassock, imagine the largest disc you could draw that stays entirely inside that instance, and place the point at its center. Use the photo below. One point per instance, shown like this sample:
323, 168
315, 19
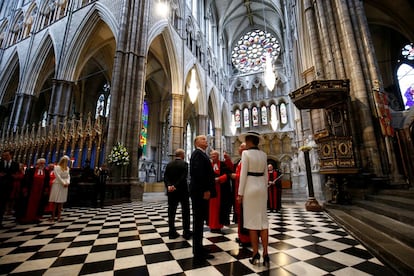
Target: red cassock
214, 208
35, 197
272, 191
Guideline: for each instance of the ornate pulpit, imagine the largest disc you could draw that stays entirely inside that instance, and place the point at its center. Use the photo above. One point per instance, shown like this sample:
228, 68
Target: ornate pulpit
335, 148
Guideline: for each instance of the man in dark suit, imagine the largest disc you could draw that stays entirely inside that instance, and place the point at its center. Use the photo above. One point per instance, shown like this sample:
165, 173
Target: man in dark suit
8, 168
175, 179
202, 188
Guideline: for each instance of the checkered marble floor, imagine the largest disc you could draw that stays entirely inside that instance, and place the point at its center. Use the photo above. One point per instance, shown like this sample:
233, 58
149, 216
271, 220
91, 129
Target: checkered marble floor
132, 239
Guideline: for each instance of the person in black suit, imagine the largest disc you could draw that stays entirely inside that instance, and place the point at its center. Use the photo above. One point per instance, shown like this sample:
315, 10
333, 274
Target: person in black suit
202, 189
103, 174
8, 168
175, 179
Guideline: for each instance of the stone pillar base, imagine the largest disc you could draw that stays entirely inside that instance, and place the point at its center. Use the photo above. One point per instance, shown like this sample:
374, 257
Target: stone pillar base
313, 205
137, 190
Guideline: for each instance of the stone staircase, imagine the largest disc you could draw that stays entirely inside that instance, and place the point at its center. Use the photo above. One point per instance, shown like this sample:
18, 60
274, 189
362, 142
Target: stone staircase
384, 223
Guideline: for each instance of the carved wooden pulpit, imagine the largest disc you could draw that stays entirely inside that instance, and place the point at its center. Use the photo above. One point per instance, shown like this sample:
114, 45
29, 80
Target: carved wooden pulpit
335, 148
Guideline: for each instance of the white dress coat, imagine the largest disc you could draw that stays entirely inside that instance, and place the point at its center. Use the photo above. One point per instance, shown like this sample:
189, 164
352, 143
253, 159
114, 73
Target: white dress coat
254, 189
59, 193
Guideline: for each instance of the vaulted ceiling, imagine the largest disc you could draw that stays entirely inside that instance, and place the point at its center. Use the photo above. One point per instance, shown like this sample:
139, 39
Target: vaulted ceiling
236, 17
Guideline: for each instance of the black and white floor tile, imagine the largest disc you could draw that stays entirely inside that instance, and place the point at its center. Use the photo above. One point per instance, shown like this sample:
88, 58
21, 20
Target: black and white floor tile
132, 239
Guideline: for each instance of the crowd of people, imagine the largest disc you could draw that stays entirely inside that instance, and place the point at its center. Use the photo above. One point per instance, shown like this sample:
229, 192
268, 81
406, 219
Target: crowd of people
250, 188
32, 193
40, 191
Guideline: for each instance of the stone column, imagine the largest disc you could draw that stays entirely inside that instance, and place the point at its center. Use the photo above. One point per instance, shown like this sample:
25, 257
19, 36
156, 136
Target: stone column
202, 124
177, 129
218, 140
314, 39
128, 84
361, 104
377, 87
21, 110
61, 100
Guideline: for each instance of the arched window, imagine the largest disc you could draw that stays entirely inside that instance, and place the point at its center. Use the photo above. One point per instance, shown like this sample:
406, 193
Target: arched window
255, 116
210, 128
264, 115
144, 128
103, 102
246, 117
273, 117
283, 114
44, 119
405, 75
100, 106
237, 118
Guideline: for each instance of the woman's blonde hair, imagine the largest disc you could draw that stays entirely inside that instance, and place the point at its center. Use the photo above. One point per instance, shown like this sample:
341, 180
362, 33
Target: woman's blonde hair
63, 162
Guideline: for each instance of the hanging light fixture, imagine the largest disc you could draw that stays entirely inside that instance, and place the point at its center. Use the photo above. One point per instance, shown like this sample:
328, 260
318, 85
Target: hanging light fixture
269, 75
192, 87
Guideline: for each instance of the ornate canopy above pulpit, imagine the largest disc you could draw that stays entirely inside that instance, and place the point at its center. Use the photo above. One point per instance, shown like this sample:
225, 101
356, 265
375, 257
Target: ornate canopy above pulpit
320, 94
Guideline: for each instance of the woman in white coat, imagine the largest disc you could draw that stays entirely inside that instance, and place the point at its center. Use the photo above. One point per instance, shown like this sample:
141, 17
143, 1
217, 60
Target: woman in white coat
252, 194
59, 192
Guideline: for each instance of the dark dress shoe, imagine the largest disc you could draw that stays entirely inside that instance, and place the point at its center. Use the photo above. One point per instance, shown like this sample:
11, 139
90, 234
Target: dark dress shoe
203, 257
209, 257
266, 260
187, 235
173, 235
245, 244
255, 259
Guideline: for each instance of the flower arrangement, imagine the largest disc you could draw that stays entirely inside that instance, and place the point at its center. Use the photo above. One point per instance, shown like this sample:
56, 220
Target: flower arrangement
119, 155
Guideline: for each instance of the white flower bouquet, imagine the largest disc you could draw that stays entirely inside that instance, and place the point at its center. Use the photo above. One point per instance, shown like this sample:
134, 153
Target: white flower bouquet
119, 155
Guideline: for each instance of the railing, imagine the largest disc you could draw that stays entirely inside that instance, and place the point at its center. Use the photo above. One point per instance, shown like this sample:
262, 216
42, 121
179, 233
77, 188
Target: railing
80, 139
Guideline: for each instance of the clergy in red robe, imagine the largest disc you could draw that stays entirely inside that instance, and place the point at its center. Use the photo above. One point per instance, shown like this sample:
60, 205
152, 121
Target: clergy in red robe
272, 189
220, 206
34, 193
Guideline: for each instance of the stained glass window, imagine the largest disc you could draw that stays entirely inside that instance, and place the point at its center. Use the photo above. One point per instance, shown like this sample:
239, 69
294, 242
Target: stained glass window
44, 118
273, 117
283, 113
408, 51
264, 115
100, 103
405, 74
246, 117
249, 53
255, 116
237, 118
144, 129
